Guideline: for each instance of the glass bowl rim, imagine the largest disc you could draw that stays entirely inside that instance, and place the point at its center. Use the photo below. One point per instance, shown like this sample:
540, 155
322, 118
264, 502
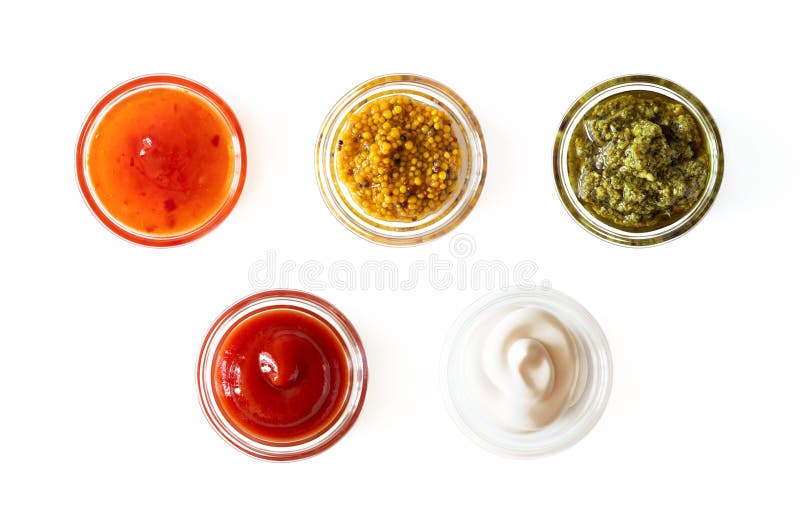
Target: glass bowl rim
84, 141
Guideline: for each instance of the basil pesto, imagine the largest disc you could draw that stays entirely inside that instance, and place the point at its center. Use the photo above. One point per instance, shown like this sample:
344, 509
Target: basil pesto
638, 160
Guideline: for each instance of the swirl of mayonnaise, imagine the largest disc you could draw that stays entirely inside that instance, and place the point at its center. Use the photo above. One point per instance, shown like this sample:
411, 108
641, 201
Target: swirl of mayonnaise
532, 369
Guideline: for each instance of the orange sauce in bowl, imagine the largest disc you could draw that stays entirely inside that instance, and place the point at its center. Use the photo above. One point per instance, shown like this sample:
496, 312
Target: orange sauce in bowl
160, 161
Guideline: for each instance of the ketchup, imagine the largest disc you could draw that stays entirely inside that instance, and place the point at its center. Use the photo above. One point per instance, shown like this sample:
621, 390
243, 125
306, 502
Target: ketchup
281, 375
161, 160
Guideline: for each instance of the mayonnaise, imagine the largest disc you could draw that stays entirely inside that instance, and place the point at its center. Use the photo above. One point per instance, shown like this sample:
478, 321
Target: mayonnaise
526, 368
526, 372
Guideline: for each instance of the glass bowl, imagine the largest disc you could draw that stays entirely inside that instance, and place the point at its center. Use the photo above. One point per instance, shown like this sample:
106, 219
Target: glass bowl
471, 178
468, 407
573, 118
283, 450
119, 94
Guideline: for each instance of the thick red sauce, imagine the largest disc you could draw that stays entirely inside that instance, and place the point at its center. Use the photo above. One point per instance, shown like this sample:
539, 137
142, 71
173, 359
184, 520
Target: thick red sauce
281, 375
161, 161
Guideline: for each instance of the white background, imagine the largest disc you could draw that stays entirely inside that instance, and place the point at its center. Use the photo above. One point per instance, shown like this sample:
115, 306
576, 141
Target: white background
100, 337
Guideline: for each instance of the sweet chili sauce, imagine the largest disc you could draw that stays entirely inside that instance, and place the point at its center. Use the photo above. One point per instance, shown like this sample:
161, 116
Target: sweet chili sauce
161, 159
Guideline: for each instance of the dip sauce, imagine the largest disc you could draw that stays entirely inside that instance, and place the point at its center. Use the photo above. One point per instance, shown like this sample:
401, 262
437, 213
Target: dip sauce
526, 369
526, 372
639, 160
399, 158
281, 375
161, 161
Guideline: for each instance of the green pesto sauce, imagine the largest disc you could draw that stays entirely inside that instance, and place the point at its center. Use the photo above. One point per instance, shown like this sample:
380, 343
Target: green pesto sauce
638, 160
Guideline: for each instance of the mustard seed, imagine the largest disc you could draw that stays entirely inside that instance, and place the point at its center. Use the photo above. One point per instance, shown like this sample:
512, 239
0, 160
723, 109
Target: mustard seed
377, 162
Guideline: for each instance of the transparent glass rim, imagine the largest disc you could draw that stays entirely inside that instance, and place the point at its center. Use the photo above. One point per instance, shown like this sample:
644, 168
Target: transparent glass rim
574, 423
119, 93
356, 359
472, 177
573, 117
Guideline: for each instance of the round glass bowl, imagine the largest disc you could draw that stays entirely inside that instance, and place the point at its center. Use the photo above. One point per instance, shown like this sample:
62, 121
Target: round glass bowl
573, 118
470, 180
313, 443
213, 109
469, 407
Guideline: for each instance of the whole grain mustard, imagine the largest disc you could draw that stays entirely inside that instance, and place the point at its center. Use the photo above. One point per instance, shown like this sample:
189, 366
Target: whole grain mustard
399, 158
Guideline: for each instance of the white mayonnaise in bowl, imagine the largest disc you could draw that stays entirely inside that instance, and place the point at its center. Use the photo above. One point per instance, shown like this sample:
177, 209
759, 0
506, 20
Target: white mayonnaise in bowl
526, 373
